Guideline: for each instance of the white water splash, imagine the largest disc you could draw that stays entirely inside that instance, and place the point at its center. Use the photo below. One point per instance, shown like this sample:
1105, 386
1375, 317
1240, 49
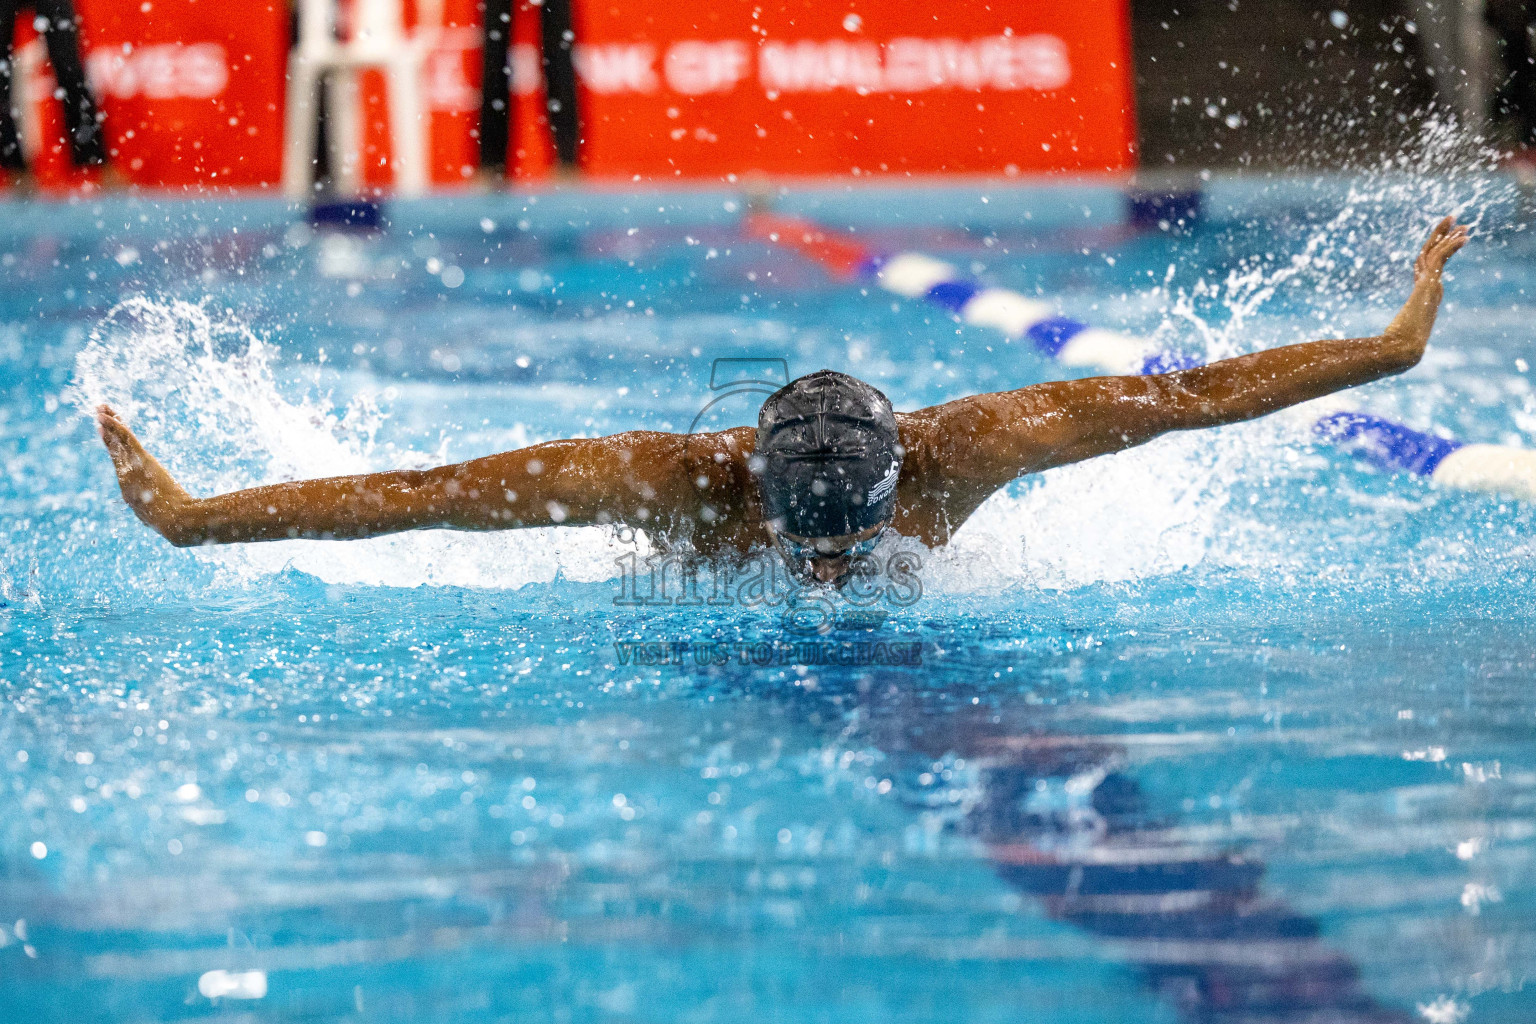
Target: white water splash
1142, 513
1444, 1010
203, 394
1166, 507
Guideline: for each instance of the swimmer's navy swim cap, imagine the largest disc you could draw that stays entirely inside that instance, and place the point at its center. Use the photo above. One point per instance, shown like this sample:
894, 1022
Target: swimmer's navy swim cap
827, 456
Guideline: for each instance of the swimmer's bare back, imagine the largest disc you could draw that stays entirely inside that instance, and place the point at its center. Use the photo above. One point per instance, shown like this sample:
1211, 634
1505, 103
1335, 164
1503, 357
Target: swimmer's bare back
957, 454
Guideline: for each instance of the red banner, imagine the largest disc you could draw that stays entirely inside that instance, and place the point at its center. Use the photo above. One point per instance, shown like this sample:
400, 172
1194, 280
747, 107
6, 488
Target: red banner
805, 87
808, 87
193, 90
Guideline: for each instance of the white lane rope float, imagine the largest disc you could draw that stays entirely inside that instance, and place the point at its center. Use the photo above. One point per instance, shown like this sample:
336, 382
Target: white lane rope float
1382, 443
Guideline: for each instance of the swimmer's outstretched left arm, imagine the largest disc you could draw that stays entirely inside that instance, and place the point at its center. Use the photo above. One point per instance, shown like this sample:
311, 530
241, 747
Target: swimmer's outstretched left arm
985, 441
626, 478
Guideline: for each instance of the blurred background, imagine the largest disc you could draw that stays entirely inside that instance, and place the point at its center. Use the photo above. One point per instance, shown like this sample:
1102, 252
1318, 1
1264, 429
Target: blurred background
407, 96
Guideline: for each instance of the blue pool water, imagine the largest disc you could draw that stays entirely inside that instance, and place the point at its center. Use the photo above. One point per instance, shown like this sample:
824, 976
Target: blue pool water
1228, 728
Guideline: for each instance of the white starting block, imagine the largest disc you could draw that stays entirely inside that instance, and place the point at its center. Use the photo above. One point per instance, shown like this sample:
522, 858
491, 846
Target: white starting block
378, 40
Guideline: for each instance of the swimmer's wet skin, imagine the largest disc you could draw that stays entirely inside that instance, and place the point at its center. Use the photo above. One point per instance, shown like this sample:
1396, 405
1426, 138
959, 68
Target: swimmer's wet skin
828, 469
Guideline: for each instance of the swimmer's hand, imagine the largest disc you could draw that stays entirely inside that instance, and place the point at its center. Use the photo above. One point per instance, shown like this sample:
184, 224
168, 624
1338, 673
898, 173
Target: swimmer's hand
1444, 241
1411, 327
147, 487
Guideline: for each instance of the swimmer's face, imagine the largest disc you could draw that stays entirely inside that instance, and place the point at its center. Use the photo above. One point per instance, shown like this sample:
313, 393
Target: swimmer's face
825, 560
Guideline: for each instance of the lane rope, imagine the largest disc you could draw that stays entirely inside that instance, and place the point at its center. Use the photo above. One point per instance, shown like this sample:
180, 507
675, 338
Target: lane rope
1382, 443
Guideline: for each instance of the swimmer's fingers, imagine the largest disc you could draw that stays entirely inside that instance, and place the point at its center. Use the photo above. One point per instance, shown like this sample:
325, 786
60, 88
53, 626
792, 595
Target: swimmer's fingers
1444, 241
1451, 244
124, 448
134, 477
1437, 235
115, 433
1448, 247
1438, 232
137, 470
104, 414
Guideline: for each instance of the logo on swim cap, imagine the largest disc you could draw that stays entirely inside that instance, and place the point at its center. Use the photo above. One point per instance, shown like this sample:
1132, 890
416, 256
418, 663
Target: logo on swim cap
887, 484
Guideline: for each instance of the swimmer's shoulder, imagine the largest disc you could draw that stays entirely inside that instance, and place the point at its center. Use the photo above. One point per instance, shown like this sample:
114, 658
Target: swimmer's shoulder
958, 453
716, 501
920, 435
920, 493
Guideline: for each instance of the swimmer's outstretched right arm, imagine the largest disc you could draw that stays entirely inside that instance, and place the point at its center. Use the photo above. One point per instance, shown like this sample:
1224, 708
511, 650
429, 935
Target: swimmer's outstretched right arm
984, 441
623, 478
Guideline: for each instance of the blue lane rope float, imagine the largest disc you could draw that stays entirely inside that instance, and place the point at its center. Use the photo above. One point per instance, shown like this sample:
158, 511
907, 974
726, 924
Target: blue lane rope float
1382, 443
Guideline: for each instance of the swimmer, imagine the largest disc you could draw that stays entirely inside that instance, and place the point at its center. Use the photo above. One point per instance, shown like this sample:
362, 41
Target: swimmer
829, 468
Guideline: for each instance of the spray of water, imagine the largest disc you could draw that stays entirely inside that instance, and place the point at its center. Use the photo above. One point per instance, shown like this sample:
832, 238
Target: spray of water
1168, 506
204, 395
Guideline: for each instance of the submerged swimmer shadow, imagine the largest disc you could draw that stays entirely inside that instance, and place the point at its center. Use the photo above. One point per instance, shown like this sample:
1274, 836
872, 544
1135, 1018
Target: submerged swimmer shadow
1061, 821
